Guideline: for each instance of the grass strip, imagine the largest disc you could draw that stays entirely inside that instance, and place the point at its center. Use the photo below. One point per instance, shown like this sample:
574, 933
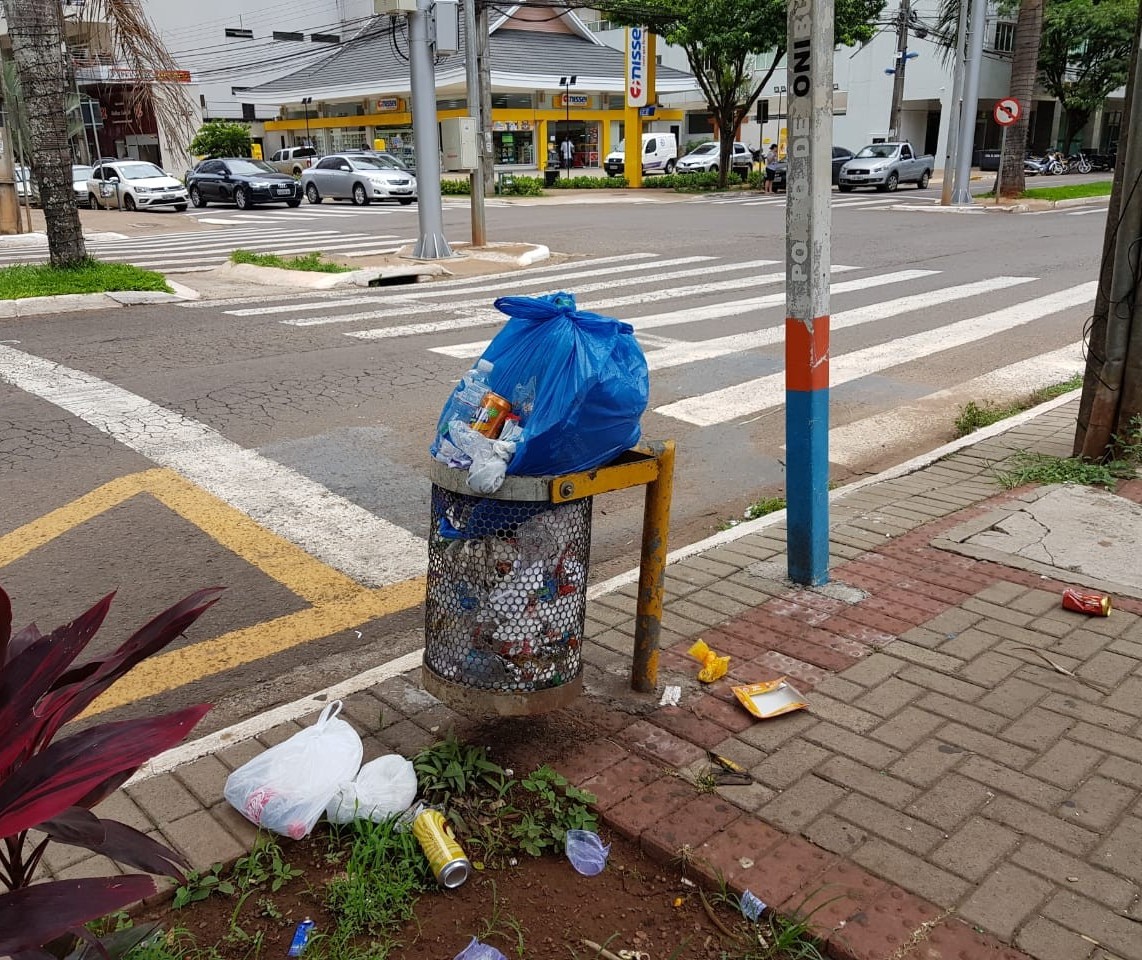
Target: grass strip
314, 262
1071, 191
26, 280
974, 416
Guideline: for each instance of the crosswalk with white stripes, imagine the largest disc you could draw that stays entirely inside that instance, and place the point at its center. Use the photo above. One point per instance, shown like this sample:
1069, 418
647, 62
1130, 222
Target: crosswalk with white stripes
307, 212
870, 200
712, 329
204, 249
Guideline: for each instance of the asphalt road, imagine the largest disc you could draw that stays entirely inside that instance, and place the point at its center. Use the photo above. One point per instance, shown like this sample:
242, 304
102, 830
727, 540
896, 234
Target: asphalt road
135, 445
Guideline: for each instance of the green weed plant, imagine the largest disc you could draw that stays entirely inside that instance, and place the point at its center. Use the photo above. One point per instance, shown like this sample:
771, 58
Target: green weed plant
26, 280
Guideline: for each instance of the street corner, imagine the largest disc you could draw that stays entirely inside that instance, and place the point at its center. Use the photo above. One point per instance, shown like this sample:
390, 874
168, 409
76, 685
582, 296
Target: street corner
119, 536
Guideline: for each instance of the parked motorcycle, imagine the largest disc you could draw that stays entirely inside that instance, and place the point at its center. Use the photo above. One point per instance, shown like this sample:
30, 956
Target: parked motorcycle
1078, 163
1046, 166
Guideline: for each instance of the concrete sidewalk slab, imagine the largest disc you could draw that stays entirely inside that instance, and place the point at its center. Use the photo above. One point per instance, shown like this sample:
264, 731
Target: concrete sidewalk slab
954, 792
1059, 531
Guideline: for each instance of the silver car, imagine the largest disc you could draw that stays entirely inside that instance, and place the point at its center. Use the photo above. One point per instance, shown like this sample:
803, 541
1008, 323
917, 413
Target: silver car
360, 177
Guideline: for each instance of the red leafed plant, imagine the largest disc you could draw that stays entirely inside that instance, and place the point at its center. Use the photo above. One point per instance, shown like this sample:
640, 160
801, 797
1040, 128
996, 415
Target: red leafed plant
51, 785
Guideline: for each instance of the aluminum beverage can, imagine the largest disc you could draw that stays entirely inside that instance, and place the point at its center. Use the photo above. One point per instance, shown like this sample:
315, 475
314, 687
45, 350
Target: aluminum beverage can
1095, 604
446, 857
300, 938
491, 414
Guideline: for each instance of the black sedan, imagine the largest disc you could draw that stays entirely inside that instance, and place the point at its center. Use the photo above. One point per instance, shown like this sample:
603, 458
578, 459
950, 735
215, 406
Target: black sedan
241, 181
841, 156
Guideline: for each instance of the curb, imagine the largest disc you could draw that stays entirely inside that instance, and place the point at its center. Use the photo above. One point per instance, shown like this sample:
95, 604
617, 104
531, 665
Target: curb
253, 726
1083, 202
72, 302
311, 280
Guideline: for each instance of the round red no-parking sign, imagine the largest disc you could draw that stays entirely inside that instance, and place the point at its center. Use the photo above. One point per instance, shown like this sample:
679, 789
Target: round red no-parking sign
1007, 111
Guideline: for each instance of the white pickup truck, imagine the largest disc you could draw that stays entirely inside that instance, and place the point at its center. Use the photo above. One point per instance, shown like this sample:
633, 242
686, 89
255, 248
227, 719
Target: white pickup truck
886, 166
293, 160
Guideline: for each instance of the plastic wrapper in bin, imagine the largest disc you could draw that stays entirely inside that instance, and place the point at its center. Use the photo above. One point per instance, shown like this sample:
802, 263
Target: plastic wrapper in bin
577, 381
506, 594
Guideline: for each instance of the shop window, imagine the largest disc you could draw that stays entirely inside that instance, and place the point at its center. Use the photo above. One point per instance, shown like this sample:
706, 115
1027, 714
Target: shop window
699, 124
455, 104
512, 101
286, 35
324, 38
236, 34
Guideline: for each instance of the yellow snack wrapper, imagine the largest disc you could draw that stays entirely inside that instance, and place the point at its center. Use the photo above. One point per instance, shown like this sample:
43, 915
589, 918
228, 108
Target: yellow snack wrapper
771, 698
714, 667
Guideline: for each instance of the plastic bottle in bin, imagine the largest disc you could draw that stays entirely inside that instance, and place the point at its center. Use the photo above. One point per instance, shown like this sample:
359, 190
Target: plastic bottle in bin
465, 401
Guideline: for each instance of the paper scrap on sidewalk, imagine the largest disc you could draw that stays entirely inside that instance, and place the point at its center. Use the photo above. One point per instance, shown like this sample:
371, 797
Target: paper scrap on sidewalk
671, 697
771, 698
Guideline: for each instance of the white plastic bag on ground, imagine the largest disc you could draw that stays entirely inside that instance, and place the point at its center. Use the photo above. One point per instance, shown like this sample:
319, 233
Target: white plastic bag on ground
384, 787
287, 788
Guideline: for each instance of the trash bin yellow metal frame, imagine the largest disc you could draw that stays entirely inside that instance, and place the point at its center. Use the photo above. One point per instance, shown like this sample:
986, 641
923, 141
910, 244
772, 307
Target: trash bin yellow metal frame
650, 464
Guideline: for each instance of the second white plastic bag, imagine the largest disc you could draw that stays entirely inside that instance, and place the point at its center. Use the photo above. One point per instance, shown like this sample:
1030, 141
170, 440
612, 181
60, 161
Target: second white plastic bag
287, 788
384, 787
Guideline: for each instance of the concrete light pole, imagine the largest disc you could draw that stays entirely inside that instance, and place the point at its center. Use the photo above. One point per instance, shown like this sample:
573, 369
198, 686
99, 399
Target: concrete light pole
808, 258
898, 68
966, 140
956, 107
431, 244
472, 80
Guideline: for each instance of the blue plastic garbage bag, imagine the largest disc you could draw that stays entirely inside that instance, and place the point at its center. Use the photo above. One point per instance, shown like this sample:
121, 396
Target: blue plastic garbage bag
590, 383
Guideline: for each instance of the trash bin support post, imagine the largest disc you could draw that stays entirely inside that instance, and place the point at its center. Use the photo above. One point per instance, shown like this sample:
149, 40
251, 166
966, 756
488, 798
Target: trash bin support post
652, 573
650, 465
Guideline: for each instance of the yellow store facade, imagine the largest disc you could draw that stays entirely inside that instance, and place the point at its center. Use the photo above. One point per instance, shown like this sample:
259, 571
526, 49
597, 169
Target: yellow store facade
359, 95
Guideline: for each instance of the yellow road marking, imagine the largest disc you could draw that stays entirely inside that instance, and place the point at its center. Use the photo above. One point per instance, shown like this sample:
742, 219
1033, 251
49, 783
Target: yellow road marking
337, 602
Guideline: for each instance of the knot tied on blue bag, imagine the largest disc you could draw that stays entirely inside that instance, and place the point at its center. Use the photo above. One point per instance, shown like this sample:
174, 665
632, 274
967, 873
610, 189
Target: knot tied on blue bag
583, 379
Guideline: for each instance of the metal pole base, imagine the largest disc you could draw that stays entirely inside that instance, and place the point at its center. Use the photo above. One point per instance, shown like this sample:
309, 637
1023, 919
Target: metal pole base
432, 246
962, 198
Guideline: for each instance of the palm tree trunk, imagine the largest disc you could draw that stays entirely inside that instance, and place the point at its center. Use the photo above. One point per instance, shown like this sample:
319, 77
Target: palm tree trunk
1024, 71
35, 27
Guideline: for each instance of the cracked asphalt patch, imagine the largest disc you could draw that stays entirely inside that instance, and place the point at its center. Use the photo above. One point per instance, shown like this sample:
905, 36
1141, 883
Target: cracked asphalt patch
1072, 533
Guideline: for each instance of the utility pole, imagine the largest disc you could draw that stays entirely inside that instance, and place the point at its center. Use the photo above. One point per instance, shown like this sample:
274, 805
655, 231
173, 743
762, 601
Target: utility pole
1112, 388
903, 17
487, 151
431, 244
965, 142
808, 258
956, 105
472, 78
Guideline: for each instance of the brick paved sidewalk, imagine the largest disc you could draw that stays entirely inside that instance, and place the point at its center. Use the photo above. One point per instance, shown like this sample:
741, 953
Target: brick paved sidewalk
948, 791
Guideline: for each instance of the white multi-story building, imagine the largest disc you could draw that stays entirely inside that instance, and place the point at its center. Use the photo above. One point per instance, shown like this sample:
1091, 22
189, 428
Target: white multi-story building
863, 91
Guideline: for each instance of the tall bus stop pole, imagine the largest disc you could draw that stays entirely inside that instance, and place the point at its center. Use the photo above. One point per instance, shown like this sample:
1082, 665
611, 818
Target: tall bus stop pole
807, 269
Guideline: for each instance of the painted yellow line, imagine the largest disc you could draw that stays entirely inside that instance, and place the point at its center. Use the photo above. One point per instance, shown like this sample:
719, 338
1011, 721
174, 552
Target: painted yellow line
275, 556
23, 540
337, 602
187, 664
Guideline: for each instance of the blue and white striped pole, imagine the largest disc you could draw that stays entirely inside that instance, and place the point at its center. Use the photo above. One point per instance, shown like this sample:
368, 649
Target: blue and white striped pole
807, 266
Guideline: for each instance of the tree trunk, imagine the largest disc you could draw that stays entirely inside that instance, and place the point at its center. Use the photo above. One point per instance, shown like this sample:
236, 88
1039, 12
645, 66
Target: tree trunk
1024, 71
725, 142
35, 28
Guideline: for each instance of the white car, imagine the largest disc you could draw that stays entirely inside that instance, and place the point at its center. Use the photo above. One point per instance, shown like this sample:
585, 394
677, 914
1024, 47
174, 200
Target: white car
79, 177
133, 185
704, 158
360, 177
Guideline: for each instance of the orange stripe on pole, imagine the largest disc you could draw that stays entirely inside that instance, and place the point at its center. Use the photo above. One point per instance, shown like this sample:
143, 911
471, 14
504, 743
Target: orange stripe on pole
807, 354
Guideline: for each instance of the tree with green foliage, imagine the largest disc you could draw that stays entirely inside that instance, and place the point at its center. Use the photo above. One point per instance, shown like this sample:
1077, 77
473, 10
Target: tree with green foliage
722, 40
221, 138
1084, 56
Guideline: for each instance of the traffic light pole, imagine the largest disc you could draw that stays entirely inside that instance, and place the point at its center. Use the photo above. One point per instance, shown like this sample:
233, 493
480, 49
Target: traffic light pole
808, 258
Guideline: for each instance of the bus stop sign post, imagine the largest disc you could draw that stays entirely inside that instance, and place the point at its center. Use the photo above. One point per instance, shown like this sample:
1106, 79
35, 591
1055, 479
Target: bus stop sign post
807, 269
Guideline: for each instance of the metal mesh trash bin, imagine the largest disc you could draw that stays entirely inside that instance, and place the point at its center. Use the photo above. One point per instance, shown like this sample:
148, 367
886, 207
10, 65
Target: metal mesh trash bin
506, 597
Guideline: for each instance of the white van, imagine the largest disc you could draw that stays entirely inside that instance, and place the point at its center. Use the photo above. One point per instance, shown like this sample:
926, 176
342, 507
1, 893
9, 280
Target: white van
659, 155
